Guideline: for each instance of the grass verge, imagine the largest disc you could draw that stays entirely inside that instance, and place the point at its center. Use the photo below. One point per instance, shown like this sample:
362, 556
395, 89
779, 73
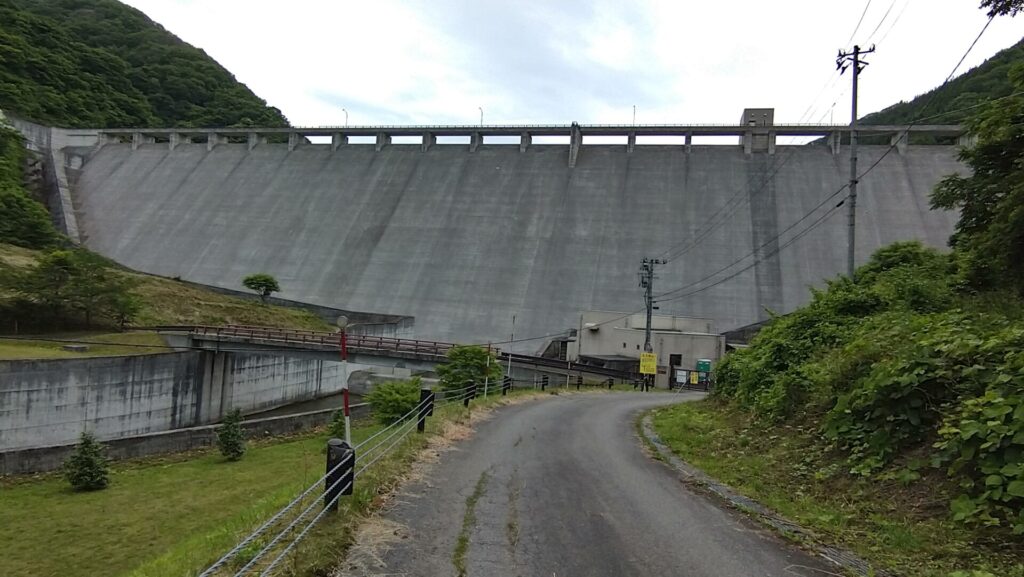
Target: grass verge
173, 516
106, 345
897, 525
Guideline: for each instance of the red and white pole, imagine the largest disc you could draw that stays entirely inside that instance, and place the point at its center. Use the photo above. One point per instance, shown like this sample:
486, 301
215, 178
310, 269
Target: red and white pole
346, 410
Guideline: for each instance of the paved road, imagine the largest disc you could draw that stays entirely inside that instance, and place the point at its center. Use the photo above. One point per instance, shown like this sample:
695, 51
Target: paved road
562, 488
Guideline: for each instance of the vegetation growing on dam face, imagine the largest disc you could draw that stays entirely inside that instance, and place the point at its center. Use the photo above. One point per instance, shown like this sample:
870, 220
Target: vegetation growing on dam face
100, 63
910, 377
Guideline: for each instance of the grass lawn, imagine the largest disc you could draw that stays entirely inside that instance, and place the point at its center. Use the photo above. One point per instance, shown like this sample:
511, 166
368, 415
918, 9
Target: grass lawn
174, 516
142, 342
898, 525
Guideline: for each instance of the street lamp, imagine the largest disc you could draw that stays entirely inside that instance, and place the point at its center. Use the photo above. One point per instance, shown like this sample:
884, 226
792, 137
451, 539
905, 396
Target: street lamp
342, 323
481, 109
346, 116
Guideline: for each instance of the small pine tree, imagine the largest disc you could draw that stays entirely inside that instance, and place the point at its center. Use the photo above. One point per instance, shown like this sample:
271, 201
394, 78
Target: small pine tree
86, 468
230, 437
337, 427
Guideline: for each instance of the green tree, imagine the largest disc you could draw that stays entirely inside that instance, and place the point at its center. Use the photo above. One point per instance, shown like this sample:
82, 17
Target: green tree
123, 307
86, 468
262, 284
68, 281
231, 437
25, 222
469, 364
394, 399
989, 236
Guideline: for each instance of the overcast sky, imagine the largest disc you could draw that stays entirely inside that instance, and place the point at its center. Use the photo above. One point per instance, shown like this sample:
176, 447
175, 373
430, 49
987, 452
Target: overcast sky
558, 61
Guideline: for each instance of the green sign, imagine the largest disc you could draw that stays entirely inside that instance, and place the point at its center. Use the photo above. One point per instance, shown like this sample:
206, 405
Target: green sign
704, 365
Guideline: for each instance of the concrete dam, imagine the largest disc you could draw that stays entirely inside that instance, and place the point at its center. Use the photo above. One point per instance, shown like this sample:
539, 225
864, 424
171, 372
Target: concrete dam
464, 236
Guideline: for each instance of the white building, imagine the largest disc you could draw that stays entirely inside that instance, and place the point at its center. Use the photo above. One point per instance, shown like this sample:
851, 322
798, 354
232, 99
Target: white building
616, 340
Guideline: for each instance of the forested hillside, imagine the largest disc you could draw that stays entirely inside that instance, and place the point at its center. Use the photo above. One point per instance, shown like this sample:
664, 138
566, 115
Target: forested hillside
952, 103
100, 63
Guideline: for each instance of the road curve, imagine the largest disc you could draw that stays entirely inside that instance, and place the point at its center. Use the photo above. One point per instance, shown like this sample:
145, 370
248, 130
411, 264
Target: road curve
562, 487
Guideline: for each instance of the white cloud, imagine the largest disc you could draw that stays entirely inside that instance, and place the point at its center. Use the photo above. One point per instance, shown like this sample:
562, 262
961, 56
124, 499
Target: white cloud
537, 62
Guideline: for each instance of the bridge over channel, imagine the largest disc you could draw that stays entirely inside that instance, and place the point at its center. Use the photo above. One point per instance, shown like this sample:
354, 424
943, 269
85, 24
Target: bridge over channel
416, 355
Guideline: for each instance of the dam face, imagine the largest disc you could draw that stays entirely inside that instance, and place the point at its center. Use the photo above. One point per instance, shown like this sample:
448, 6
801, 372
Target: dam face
463, 239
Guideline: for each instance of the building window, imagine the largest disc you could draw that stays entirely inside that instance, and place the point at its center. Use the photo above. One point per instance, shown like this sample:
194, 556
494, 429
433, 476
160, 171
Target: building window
638, 347
623, 345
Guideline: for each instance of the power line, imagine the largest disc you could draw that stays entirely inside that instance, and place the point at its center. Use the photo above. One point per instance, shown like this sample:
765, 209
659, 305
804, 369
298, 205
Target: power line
756, 250
894, 22
859, 22
858, 177
934, 94
797, 237
882, 21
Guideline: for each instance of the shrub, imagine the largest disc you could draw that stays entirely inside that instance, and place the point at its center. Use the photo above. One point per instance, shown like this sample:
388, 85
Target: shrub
86, 468
336, 428
467, 365
394, 399
231, 437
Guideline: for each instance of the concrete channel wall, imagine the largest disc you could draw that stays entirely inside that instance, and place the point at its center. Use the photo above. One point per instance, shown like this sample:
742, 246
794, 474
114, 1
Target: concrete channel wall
50, 402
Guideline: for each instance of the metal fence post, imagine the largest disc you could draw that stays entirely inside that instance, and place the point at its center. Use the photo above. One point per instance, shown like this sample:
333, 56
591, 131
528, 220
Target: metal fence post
470, 392
579, 381
506, 384
339, 479
543, 382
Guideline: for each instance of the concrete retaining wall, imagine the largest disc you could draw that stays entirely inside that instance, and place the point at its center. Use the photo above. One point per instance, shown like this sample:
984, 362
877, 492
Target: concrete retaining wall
43, 459
46, 403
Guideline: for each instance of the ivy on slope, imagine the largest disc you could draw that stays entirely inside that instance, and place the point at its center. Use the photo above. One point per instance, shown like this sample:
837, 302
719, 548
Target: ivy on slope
899, 364
100, 63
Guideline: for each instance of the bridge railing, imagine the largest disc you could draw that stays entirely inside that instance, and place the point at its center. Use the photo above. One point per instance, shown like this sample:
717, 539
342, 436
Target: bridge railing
321, 338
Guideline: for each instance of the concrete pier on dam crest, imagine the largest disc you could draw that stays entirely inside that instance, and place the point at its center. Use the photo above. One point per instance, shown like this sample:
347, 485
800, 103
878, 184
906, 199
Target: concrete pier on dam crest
463, 236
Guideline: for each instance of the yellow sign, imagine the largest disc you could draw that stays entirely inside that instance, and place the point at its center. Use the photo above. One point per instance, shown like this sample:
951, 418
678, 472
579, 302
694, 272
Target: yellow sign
648, 364
693, 377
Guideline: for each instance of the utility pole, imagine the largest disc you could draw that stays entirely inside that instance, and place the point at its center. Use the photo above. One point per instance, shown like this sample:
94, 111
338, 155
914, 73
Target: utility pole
843, 61
647, 283
512, 340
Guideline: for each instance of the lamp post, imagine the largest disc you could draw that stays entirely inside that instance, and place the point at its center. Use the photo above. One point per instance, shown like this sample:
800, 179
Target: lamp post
346, 116
481, 109
342, 323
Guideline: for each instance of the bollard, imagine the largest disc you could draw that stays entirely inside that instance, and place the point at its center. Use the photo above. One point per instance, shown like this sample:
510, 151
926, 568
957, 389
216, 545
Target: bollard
426, 407
336, 481
506, 384
611, 383
579, 381
543, 382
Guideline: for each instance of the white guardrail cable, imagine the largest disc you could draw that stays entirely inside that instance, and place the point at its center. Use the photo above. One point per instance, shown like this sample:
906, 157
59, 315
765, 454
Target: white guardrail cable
212, 569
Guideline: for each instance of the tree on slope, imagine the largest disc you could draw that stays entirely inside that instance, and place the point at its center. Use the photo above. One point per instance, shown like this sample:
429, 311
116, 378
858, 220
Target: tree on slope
262, 284
989, 236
